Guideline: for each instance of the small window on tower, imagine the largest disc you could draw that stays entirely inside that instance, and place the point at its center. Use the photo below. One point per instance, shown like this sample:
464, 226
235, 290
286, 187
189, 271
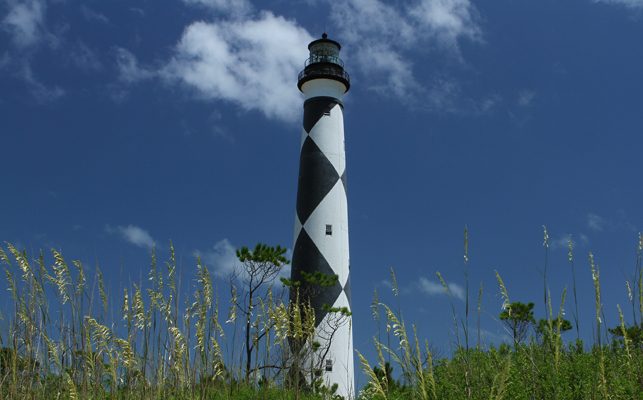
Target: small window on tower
329, 365
327, 113
329, 230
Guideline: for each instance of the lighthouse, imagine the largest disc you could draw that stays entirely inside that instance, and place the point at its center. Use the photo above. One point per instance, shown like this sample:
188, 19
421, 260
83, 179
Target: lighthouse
321, 222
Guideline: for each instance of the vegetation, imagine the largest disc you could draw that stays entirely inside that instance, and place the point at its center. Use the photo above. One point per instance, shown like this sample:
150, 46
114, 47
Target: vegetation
57, 340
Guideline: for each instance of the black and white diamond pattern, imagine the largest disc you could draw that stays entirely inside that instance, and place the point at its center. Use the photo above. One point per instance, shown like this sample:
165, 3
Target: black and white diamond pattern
306, 257
317, 176
321, 201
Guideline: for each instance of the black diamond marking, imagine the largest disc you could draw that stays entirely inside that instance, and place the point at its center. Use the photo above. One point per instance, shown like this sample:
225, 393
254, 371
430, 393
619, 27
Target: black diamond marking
306, 257
317, 176
347, 289
315, 108
344, 182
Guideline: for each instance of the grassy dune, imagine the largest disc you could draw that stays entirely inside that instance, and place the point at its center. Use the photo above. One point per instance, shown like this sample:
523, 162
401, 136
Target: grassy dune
60, 340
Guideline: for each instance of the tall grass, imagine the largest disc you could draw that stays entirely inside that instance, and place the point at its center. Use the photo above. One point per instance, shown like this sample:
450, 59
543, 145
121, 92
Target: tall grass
59, 339
546, 367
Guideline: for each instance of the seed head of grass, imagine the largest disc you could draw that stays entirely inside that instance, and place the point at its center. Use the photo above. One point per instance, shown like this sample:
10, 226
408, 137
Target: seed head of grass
375, 306
375, 387
3, 257
503, 292
232, 315
394, 287
570, 249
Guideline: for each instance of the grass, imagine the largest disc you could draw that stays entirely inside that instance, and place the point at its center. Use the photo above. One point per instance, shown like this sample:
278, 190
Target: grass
58, 341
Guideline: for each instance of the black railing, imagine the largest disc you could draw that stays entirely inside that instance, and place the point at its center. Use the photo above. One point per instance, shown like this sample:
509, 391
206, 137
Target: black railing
324, 71
315, 59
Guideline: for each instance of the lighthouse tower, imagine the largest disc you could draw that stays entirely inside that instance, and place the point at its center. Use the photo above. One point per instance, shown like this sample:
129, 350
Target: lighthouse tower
321, 223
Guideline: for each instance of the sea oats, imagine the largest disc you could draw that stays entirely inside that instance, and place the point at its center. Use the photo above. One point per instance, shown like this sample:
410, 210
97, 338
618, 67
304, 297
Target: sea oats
71, 387
3, 257
627, 342
138, 307
375, 386
394, 287
80, 281
125, 307
61, 276
504, 293
101, 289
375, 306
22, 261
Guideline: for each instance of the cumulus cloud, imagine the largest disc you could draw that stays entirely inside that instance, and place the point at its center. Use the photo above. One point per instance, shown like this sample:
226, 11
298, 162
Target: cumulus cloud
250, 63
222, 258
134, 235
25, 22
432, 288
384, 37
445, 20
250, 58
397, 71
626, 3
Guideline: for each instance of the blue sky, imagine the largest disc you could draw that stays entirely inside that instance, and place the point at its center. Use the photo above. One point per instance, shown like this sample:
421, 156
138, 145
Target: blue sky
125, 124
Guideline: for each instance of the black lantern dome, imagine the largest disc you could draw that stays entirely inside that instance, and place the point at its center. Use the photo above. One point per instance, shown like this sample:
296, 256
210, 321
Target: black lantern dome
324, 63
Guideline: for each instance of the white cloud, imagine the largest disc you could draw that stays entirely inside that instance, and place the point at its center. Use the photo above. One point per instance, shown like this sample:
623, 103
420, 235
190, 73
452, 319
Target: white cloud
91, 15
128, 67
85, 58
250, 63
562, 242
383, 37
446, 20
371, 22
618, 222
595, 222
397, 72
222, 258
41, 92
251, 58
134, 235
626, 3
386, 283
487, 104
25, 22
235, 7
435, 288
